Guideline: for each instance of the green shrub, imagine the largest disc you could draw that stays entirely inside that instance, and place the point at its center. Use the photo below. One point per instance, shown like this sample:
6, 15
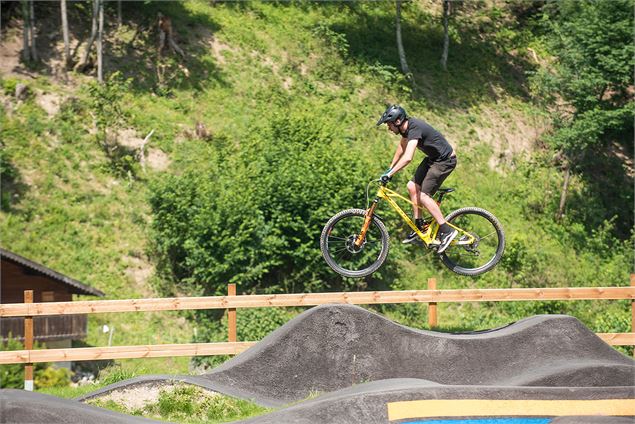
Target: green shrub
185, 403
225, 408
52, 377
255, 217
189, 404
253, 324
181, 400
12, 376
8, 176
8, 86
106, 103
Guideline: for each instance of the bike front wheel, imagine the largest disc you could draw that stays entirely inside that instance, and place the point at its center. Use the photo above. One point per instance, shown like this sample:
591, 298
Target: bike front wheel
482, 249
337, 243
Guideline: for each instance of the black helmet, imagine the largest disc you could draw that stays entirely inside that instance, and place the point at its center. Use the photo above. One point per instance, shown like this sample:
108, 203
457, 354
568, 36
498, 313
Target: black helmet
391, 114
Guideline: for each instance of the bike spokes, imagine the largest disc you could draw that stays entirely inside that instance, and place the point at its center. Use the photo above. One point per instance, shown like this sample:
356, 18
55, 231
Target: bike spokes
342, 248
479, 244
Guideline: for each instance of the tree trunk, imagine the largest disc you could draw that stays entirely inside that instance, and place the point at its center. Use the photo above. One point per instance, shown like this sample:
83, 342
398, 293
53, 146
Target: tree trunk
26, 51
32, 30
166, 33
446, 36
402, 54
67, 47
118, 13
565, 190
93, 35
100, 43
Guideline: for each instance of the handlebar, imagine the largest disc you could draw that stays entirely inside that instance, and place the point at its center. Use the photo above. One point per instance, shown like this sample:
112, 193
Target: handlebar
385, 179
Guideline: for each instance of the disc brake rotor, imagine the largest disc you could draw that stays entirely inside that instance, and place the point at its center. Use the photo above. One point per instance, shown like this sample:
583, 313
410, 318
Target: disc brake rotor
473, 247
351, 246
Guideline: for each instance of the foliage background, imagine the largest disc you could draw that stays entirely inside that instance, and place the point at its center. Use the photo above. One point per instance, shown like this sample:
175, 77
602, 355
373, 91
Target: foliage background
292, 142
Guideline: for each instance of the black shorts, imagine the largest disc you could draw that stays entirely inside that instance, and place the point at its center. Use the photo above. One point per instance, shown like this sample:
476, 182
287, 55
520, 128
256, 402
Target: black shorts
430, 175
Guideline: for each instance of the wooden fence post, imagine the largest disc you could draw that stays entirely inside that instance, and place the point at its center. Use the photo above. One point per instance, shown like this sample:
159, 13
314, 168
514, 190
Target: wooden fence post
432, 306
633, 311
28, 342
231, 315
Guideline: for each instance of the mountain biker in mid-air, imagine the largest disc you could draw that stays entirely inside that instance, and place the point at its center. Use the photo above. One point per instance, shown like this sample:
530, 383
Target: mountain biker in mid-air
439, 162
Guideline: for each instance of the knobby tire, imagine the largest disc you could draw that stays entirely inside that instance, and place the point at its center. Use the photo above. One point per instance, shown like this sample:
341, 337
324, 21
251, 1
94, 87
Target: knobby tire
334, 258
500, 247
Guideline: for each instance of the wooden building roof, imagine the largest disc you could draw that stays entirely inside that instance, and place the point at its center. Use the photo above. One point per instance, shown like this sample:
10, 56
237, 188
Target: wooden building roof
72, 286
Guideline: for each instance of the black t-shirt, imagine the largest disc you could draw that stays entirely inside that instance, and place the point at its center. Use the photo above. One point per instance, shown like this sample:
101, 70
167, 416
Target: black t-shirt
431, 142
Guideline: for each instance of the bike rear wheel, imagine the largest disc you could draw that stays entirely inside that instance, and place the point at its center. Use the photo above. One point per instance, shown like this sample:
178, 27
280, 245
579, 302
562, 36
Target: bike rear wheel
487, 249
337, 243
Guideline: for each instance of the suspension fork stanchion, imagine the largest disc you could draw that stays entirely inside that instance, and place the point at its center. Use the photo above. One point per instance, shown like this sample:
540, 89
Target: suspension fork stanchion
367, 218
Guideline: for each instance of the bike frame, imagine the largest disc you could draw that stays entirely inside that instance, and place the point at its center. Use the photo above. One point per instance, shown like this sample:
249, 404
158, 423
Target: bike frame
428, 236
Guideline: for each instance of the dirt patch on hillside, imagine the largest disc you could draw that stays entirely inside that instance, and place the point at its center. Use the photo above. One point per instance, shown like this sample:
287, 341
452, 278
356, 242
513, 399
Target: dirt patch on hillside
10, 50
157, 160
510, 134
151, 157
49, 45
50, 102
7, 103
128, 138
138, 271
218, 48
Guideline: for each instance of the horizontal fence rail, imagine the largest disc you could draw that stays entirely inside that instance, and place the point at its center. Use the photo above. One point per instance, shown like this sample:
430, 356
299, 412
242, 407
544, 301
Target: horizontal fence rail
314, 299
122, 352
618, 339
432, 296
168, 350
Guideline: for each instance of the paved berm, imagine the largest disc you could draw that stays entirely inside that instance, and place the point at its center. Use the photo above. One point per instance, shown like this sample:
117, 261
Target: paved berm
22, 407
344, 364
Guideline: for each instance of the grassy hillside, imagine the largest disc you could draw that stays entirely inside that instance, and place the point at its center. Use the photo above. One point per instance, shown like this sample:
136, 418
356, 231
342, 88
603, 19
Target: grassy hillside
76, 207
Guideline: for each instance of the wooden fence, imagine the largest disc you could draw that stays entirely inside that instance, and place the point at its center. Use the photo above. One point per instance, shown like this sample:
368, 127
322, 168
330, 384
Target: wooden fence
432, 296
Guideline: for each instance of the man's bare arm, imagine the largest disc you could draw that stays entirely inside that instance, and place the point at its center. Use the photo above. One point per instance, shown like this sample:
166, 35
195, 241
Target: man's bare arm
406, 157
400, 149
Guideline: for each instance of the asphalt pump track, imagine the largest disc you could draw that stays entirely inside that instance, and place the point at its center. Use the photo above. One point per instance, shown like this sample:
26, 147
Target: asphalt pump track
344, 364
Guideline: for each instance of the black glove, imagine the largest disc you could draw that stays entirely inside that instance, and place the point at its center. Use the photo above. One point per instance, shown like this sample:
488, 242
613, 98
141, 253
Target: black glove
385, 178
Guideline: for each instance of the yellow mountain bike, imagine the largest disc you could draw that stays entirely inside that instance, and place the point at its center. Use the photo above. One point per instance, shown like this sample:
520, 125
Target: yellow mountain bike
355, 242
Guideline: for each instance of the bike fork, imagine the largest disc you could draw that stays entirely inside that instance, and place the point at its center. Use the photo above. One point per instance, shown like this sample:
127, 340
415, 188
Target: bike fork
367, 218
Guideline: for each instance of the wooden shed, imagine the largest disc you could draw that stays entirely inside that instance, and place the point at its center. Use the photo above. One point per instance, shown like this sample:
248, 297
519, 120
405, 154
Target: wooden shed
18, 274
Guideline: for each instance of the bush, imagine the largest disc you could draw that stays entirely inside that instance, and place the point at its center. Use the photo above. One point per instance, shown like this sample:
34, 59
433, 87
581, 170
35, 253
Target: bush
185, 403
12, 376
254, 324
179, 401
106, 102
254, 217
52, 377
9, 176
189, 404
8, 85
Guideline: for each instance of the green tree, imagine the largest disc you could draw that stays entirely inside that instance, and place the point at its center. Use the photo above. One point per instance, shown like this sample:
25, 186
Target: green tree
106, 102
253, 214
587, 86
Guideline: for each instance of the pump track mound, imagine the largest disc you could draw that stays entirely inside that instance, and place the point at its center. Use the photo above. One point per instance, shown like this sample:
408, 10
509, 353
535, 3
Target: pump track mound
364, 368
